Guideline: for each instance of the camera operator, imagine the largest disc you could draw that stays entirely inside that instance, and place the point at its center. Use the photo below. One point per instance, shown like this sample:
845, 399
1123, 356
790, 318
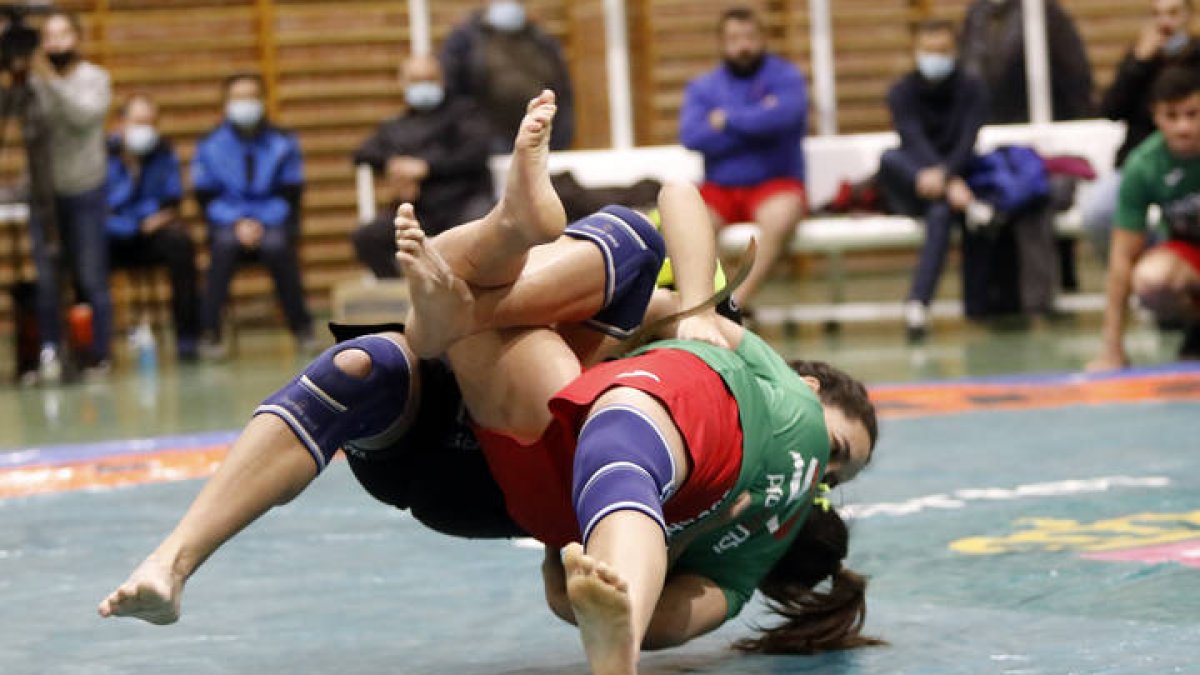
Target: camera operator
72, 97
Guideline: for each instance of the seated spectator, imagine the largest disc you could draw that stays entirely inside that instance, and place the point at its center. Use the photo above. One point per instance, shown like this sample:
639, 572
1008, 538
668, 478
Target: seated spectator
993, 49
937, 110
748, 118
502, 59
248, 176
434, 155
73, 96
144, 227
1165, 39
1163, 171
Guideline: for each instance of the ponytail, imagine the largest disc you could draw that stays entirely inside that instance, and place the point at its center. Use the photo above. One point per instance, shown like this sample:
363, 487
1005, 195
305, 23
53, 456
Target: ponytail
814, 620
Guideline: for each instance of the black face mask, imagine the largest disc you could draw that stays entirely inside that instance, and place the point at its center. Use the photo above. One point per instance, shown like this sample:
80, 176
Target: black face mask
745, 69
61, 60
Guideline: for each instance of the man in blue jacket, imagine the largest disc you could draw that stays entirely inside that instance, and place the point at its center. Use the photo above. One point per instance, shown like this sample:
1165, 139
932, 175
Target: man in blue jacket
144, 228
248, 176
748, 118
938, 110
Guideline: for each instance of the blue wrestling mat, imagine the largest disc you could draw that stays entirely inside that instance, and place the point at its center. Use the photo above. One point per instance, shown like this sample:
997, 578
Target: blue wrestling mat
1039, 527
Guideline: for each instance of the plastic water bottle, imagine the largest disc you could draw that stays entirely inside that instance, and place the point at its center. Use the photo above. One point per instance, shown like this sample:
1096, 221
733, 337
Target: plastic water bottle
145, 349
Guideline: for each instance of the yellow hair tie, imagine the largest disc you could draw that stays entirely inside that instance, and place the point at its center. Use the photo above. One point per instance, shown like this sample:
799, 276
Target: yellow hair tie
822, 500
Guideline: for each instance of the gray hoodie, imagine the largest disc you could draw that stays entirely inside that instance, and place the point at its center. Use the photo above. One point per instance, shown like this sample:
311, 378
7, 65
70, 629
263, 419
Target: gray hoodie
74, 109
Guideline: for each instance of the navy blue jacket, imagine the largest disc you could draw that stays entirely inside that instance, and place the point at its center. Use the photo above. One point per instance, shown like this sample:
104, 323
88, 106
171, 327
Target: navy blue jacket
766, 120
132, 199
939, 122
228, 194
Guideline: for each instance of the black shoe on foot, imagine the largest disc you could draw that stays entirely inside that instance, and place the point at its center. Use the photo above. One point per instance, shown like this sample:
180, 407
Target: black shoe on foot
1190, 349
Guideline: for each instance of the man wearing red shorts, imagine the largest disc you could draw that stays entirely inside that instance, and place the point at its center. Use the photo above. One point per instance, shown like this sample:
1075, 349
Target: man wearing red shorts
748, 118
1163, 171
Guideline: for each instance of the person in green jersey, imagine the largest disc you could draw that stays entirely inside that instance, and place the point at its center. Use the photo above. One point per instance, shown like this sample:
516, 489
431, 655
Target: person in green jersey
757, 525
1164, 171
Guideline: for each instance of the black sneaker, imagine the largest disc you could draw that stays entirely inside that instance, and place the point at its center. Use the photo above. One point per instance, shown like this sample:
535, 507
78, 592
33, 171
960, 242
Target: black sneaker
1190, 349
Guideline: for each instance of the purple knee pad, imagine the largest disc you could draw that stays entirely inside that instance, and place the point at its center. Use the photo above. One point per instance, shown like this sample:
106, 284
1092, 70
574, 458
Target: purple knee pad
622, 463
328, 409
633, 252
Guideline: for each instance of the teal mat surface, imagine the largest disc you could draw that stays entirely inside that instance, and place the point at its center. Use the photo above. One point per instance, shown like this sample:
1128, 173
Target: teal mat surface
1035, 541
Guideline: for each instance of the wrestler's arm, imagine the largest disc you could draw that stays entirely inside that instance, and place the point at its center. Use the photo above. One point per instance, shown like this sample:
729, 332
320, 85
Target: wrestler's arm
691, 243
689, 606
554, 578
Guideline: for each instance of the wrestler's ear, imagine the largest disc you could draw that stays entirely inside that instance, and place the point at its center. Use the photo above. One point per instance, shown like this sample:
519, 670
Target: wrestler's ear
812, 382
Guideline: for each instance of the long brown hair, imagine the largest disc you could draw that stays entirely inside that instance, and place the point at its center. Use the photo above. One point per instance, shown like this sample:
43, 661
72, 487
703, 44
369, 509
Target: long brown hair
814, 620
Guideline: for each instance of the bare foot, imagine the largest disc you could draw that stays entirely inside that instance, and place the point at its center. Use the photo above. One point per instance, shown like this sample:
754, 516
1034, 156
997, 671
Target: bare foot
441, 302
530, 207
152, 593
600, 599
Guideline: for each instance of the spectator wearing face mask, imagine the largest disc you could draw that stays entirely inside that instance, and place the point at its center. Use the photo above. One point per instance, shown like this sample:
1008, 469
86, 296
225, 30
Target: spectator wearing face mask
937, 110
748, 118
73, 96
1165, 39
248, 176
502, 59
434, 155
144, 227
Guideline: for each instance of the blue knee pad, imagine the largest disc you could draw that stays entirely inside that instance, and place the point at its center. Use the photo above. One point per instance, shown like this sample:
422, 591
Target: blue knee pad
633, 252
328, 409
622, 463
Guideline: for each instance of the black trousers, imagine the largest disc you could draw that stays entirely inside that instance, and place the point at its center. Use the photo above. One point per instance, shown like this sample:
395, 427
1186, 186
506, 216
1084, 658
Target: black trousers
171, 247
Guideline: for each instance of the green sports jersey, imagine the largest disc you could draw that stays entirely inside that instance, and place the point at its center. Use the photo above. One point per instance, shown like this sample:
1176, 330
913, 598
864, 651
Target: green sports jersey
785, 451
1152, 176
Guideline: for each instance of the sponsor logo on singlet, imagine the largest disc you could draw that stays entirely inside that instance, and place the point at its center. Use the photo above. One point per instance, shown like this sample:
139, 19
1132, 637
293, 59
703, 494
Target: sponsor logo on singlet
801, 482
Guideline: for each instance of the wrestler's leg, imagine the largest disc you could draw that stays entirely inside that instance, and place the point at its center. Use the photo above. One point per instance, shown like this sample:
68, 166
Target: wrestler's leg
601, 272
266, 466
630, 459
490, 252
276, 456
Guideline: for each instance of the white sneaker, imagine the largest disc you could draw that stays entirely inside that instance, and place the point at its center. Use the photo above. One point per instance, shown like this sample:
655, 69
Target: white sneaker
979, 215
916, 320
50, 368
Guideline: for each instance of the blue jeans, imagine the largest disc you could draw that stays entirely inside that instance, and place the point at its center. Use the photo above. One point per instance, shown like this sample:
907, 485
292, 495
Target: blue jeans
84, 249
278, 253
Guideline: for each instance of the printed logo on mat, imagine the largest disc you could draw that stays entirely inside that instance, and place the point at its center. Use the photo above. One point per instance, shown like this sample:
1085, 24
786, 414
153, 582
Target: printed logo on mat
1143, 537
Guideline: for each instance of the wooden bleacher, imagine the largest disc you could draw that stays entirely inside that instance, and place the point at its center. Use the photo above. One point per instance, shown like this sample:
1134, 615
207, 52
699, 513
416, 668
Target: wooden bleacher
332, 67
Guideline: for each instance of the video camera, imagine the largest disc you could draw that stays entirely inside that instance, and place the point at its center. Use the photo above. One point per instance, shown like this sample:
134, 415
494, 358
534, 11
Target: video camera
17, 40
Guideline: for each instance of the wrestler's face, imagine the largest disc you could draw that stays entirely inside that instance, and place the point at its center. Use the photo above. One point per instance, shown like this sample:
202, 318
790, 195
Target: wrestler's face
849, 446
1179, 122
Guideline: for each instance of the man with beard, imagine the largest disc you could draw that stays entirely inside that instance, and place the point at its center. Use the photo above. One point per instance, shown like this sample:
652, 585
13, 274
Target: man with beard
748, 118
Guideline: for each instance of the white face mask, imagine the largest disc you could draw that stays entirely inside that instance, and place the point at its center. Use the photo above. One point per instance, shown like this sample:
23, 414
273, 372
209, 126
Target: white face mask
424, 95
507, 15
1176, 43
140, 139
935, 67
244, 113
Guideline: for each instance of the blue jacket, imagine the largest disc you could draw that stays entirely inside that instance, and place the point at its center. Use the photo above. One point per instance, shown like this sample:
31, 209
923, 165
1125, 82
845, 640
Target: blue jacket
760, 141
219, 176
130, 201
